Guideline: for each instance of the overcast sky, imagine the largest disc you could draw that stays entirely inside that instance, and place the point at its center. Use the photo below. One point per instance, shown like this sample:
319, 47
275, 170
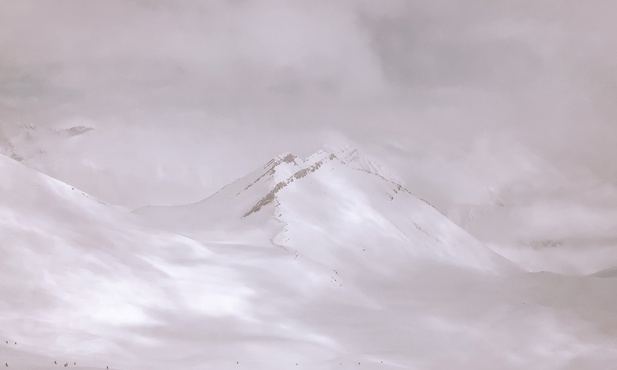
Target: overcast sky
225, 85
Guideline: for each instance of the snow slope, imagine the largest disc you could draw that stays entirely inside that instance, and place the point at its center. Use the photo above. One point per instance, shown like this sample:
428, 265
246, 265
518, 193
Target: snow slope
326, 272
78, 273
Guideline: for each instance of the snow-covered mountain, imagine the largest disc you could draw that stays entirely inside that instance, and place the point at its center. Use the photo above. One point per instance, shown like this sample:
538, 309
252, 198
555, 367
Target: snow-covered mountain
87, 281
366, 256
330, 210
307, 264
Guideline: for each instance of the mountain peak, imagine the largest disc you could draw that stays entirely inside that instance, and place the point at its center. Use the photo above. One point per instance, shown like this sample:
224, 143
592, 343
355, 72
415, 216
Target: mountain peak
287, 168
354, 158
309, 205
281, 158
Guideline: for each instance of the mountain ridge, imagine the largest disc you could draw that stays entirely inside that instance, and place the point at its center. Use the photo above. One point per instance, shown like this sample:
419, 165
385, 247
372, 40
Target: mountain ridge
309, 205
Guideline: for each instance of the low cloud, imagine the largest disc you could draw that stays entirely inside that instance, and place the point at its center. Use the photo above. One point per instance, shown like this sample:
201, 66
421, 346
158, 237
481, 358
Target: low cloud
272, 76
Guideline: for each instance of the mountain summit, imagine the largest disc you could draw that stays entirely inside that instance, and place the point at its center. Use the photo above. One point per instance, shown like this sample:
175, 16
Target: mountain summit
328, 209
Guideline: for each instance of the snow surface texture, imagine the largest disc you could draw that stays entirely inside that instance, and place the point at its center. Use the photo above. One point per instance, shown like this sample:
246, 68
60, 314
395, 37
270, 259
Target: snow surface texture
316, 263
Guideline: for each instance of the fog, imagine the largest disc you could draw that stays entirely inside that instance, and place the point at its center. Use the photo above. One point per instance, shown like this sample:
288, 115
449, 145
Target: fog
467, 102
173, 239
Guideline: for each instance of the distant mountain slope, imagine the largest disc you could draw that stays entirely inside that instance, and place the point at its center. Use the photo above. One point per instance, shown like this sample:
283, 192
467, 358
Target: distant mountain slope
27, 142
325, 208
